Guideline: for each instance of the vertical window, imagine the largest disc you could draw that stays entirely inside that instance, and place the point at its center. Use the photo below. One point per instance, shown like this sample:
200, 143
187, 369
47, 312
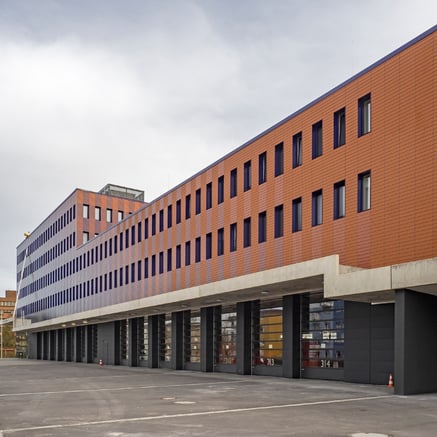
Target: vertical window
120, 216
169, 216
140, 232
161, 262
126, 238
187, 253
132, 235
86, 211
153, 224
317, 139
220, 241
233, 237
364, 115
221, 189
364, 191
247, 232
209, 195
198, 201
178, 256
187, 206
169, 260
262, 168
279, 159
132, 272
178, 211
109, 215
153, 265
146, 228
262, 227
97, 213
208, 254
146, 268
339, 128
297, 150
339, 200
197, 250
247, 175
161, 220
297, 215
317, 215
85, 237
279, 221
233, 186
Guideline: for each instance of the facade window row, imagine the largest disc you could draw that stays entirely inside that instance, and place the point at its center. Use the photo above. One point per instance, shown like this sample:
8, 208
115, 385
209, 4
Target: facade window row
50, 232
98, 213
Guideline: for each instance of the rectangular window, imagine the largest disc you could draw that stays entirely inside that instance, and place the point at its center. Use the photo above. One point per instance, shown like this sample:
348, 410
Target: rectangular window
178, 211
262, 168
339, 128
209, 195
364, 191
221, 189
146, 228
86, 211
85, 237
198, 201
247, 175
161, 220
233, 237
146, 268
132, 272
364, 115
169, 260
97, 213
197, 249
139, 270
109, 215
279, 221
161, 262
132, 235
187, 206
317, 204
233, 186
187, 253
120, 216
297, 150
208, 246
169, 216
262, 227
317, 139
339, 200
178, 256
153, 224
220, 241
140, 231
297, 215
247, 232
279, 159
153, 265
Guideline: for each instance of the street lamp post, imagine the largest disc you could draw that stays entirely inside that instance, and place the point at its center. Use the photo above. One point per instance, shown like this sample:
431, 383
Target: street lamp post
1, 335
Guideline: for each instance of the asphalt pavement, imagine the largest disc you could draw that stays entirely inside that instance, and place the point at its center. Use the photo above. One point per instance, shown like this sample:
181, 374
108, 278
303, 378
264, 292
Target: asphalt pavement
48, 398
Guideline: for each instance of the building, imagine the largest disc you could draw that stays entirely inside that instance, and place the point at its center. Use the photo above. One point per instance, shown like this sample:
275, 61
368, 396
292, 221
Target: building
308, 252
10, 344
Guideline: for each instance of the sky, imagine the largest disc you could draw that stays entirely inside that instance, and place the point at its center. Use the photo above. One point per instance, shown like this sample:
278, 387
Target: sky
145, 93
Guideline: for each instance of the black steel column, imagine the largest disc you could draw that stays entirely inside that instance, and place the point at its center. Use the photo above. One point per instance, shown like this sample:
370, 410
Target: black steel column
244, 338
291, 336
207, 339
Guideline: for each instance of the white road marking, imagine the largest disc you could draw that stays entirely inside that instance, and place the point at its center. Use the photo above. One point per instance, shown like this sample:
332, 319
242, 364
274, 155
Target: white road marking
143, 387
193, 414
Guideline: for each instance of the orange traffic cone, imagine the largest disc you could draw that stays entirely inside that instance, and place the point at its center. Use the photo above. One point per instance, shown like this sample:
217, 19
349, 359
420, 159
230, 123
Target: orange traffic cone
390, 381
101, 363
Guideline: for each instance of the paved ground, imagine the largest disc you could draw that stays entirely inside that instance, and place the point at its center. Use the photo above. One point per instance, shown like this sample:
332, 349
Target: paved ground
40, 398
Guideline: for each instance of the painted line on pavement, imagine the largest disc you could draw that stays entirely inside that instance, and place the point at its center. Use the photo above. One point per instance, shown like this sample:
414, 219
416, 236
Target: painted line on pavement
194, 414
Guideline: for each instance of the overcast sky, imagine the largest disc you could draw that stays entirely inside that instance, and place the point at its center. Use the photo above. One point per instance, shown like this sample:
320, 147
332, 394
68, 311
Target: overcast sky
146, 93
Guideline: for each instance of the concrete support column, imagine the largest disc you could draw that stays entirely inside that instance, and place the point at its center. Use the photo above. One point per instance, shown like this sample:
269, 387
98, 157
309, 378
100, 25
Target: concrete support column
78, 344
69, 344
244, 337
89, 344
177, 339
291, 336
207, 339
60, 344
133, 342
45, 351
153, 343
415, 334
